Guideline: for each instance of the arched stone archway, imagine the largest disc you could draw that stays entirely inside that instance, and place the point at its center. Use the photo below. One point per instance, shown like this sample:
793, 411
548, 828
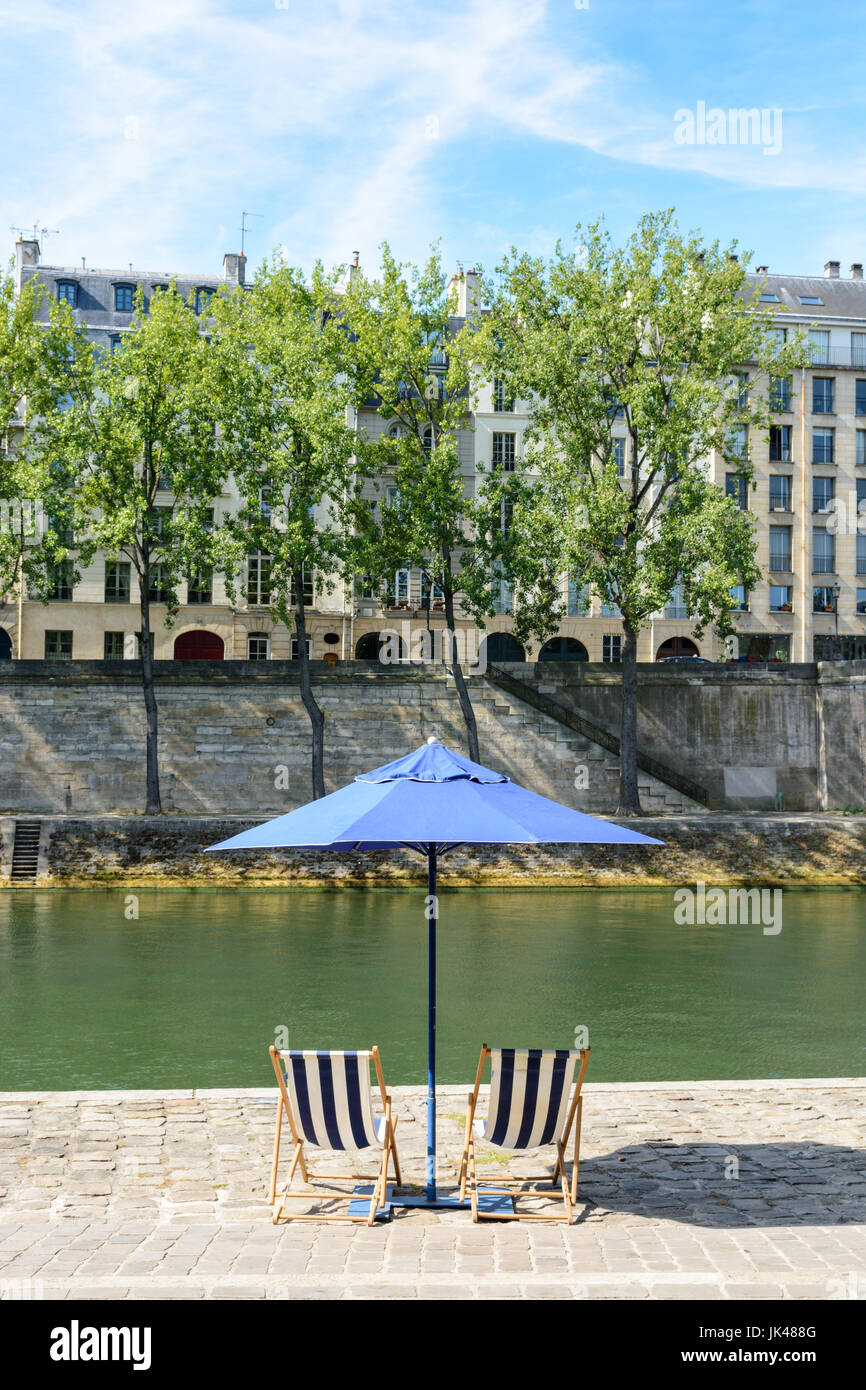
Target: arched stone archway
563, 649
676, 646
199, 645
501, 646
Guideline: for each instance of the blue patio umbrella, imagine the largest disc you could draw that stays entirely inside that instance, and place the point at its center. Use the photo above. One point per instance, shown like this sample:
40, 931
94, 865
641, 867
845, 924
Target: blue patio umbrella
432, 801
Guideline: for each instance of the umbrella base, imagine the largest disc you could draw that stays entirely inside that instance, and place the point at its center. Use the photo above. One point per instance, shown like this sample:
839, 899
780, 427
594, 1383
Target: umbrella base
491, 1203
360, 1204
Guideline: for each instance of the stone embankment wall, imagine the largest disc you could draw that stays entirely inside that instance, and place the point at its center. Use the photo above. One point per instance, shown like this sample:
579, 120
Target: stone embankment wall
124, 851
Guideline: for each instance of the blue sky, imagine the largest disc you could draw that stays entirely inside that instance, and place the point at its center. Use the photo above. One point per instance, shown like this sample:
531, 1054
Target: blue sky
142, 131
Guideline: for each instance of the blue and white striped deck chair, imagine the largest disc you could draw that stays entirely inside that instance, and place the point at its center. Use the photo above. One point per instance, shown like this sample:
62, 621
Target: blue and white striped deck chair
531, 1105
328, 1103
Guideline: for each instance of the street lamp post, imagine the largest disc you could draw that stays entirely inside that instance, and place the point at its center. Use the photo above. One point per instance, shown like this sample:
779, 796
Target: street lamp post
837, 650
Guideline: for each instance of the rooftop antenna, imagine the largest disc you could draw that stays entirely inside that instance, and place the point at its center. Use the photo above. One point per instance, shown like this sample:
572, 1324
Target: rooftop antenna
244, 216
35, 232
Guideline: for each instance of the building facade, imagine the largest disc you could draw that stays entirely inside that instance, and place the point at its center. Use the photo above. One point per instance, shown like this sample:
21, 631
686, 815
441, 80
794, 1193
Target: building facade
807, 489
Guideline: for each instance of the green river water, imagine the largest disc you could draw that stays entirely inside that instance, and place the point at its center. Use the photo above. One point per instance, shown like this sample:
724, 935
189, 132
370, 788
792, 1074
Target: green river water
192, 992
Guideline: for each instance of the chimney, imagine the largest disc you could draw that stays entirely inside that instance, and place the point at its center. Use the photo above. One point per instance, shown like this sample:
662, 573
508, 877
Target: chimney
234, 268
351, 271
857, 271
26, 254
465, 282
761, 269
831, 270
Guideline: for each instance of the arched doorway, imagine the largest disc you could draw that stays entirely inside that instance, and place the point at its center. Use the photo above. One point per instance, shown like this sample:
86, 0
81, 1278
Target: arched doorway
379, 646
676, 647
5, 645
198, 646
501, 646
367, 647
563, 649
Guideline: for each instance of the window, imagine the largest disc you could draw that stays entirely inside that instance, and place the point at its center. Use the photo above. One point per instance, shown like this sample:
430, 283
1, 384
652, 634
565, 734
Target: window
157, 519
398, 589
822, 446
159, 589
780, 443
823, 491
823, 600
738, 438
780, 598
199, 588
259, 580
739, 598
611, 610
611, 646
860, 447
115, 342
822, 395
780, 548
675, 606
431, 593
258, 646
737, 487
823, 551
67, 291
861, 600
202, 300
63, 533
163, 482
769, 298
123, 296
619, 457
780, 393
740, 382
296, 648
503, 451
578, 598
861, 553
427, 439
392, 497
306, 590
503, 594
58, 646
860, 396
778, 336
809, 299
117, 581
113, 646
858, 349
367, 588
819, 345
501, 402
861, 496
61, 588
780, 492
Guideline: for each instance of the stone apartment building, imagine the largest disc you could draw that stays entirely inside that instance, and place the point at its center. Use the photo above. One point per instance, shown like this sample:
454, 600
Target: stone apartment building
806, 492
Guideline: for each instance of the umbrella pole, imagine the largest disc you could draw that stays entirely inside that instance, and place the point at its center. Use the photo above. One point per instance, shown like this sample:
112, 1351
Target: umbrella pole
432, 913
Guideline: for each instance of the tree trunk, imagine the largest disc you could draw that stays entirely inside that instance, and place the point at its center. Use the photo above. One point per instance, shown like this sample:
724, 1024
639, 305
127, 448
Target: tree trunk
154, 801
317, 718
462, 692
629, 797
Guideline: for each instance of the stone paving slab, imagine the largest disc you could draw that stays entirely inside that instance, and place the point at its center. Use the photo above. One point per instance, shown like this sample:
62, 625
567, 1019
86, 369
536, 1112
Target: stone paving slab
708, 1190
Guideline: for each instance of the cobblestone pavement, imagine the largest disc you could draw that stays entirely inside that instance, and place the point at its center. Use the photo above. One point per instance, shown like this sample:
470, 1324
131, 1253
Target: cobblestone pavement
705, 1190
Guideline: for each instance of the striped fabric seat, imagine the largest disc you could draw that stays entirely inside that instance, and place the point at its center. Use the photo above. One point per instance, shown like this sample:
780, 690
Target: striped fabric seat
529, 1095
331, 1099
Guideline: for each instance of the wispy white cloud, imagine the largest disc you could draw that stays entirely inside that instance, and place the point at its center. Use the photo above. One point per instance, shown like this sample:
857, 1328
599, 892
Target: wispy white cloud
158, 122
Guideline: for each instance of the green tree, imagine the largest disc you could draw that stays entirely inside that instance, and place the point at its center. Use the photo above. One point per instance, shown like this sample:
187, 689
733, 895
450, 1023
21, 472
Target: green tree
38, 358
137, 469
423, 361
650, 334
289, 390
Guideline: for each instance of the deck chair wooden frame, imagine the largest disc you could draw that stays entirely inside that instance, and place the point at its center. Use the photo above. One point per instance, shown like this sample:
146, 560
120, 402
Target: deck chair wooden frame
515, 1187
299, 1162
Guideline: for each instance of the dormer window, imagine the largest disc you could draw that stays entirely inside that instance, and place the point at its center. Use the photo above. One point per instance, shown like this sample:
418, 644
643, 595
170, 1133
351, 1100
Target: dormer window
67, 290
769, 298
810, 299
202, 300
123, 297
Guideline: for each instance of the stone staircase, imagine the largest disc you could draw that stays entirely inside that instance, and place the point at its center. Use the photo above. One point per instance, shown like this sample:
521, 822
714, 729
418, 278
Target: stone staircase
558, 762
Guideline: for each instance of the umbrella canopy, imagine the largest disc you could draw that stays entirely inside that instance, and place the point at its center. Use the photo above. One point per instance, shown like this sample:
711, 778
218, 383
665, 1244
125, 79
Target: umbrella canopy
433, 796
432, 800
